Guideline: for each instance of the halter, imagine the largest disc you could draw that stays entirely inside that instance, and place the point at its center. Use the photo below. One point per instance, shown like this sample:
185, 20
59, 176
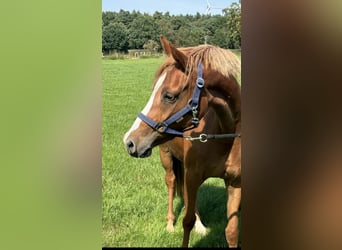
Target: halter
192, 106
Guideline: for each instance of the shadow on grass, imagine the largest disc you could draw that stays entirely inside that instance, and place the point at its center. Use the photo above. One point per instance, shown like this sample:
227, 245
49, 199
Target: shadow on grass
211, 203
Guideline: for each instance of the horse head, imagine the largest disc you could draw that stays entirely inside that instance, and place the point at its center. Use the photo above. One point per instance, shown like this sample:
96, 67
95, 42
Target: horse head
177, 102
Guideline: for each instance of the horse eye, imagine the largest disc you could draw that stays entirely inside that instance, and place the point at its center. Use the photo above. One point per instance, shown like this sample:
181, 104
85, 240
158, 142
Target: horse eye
168, 97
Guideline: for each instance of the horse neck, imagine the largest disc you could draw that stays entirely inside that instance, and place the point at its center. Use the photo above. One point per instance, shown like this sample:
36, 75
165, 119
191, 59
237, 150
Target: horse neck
225, 99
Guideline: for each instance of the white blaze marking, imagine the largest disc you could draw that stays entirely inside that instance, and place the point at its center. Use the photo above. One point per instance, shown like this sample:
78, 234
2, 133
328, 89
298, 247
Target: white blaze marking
148, 106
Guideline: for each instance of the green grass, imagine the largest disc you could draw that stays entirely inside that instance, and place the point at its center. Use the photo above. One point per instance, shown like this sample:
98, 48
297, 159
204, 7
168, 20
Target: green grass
134, 194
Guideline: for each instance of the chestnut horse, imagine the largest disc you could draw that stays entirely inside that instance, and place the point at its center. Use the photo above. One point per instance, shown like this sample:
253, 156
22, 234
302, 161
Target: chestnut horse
194, 115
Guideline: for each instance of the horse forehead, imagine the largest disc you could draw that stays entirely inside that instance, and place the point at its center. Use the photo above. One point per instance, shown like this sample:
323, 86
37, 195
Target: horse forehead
159, 82
174, 78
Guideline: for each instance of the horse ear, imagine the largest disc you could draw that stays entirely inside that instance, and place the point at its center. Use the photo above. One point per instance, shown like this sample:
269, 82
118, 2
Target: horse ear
171, 50
166, 47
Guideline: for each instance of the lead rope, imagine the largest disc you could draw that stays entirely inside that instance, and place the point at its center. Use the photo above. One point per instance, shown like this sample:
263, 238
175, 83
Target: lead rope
205, 137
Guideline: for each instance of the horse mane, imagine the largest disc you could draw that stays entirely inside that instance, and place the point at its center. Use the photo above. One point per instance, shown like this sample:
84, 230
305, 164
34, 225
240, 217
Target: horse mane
212, 57
215, 58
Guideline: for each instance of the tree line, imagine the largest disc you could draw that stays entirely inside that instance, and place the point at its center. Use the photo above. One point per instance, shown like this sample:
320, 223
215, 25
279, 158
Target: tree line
126, 30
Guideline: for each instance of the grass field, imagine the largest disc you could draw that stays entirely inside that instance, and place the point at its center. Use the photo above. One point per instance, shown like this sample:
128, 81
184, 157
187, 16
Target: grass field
134, 194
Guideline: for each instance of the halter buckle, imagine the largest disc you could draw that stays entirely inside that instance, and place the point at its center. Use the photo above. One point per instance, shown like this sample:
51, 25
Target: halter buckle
194, 111
195, 121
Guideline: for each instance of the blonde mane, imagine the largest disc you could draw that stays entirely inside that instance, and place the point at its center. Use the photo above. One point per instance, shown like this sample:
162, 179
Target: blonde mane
214, 58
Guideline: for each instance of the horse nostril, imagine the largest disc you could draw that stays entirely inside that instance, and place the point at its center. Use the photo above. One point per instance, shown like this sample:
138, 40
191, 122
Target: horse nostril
131, 147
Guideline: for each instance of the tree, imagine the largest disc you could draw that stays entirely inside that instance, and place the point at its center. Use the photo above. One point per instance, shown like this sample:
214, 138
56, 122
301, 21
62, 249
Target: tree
216, 30
114, 37
125, 30
233, 14
151, 46
165, 28
220, 38
142, 29
108, 17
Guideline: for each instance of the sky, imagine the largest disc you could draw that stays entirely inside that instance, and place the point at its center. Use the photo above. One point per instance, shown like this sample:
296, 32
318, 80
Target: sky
174, 7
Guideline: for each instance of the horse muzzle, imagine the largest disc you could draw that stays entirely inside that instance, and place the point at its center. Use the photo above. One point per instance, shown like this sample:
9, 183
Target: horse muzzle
138, 152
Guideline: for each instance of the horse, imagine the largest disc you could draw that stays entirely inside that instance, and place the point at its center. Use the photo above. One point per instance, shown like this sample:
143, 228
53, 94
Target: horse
194, 113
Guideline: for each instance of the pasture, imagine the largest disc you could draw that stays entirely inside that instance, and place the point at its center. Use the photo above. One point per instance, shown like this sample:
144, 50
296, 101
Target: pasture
134, 194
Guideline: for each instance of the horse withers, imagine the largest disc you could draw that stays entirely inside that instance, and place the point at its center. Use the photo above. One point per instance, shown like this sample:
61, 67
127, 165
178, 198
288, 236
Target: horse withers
196, 98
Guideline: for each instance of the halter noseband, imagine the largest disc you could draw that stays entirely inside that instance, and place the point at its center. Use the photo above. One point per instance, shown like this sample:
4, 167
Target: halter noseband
192, 106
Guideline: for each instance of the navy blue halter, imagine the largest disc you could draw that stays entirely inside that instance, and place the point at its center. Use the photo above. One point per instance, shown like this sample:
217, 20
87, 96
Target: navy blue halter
192, 106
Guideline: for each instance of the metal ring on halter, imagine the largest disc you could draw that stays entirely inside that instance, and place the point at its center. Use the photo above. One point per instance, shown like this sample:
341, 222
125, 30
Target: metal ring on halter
203, 137
200, 82
161, 127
